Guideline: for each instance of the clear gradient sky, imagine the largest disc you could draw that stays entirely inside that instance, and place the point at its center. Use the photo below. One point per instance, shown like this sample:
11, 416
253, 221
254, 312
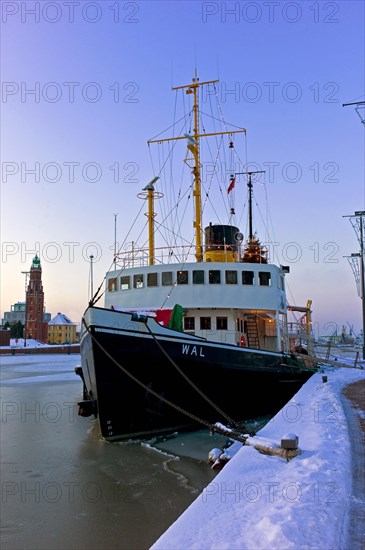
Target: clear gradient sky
101, 74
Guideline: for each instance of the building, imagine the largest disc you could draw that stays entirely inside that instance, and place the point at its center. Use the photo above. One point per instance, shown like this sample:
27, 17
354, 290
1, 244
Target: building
61, 330
4, 337
17, 313
35, 327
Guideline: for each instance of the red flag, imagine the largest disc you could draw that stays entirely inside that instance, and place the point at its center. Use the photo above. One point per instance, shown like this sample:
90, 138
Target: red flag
231, 185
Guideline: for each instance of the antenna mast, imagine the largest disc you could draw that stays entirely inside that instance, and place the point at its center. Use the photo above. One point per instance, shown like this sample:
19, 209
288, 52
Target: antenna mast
358, 104
250, 187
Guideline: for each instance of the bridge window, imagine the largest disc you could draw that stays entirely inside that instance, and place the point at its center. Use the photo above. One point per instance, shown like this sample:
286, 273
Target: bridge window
152, 279
112, 284
205, 323
214, 277
198, 277
247, 277
222, 323
189, 323
182, 277
231, 277
264, 278
125, 282
167, 278
138, 281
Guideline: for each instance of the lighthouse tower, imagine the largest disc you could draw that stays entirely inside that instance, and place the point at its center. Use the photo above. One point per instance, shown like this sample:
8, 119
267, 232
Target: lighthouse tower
35, 327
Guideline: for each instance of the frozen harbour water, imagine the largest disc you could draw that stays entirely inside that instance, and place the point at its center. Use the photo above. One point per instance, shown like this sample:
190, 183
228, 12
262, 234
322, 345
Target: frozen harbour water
64, 488
311, 502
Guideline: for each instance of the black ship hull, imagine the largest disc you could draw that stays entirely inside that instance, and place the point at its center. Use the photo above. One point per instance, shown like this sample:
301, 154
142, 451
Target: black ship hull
126, 370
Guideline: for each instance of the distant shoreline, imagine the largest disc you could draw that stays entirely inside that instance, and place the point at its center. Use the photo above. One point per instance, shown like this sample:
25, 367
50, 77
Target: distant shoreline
44, 349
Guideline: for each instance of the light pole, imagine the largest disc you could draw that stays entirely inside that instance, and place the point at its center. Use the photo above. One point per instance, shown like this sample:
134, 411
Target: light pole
357, 221
91, 279
115, 241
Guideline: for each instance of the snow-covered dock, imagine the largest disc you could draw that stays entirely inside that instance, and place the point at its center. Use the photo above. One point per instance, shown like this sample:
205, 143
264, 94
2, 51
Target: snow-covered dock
259, 501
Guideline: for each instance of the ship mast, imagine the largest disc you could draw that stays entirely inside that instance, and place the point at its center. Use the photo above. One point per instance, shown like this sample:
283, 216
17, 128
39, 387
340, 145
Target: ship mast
150, 194
250, 187
194, 148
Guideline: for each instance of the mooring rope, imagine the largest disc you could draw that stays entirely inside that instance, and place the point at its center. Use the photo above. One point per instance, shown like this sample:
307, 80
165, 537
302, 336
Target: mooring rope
212, 427
189, 381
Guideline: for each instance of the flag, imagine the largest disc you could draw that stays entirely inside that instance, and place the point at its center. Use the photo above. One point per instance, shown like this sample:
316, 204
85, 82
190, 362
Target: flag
231, 185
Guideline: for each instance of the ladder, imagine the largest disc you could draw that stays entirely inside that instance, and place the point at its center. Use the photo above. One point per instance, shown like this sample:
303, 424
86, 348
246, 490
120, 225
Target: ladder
253, 340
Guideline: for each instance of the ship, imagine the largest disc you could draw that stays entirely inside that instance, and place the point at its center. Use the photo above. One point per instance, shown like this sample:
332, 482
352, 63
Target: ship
194, 332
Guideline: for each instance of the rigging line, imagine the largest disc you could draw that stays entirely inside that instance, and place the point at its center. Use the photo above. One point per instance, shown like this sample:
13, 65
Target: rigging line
172, 190
270, 224
178, 233
151, 159
164, 178
94, 299
219, 109
182, 265
189, 381
141, 248
243, 164
159, 229
213, 427
172, 148
175, 221
183, 167
207, 197
171, 126
242, 213
222, 120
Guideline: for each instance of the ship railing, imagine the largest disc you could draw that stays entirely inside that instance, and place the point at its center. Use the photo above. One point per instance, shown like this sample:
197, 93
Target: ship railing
299, 335
139, 257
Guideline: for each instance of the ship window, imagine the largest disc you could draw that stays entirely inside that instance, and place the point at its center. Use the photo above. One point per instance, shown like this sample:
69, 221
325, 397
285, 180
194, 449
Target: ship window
182, 277
231, 277
167, 278
214, 277
222, 323
198, 277
189, 323
152, 279
138, 281
264, 278
205, 323
112, 284
125, 283
282, 285
247, 277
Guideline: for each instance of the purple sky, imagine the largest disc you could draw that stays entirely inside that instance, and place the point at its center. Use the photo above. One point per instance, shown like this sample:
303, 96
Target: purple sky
86, 84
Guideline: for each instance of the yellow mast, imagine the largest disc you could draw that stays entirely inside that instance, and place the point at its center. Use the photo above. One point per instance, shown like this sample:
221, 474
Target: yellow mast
193, 146
151, 233
150, 194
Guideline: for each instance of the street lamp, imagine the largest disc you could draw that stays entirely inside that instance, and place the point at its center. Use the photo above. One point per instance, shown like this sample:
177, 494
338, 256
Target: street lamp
357, 221
91, 279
